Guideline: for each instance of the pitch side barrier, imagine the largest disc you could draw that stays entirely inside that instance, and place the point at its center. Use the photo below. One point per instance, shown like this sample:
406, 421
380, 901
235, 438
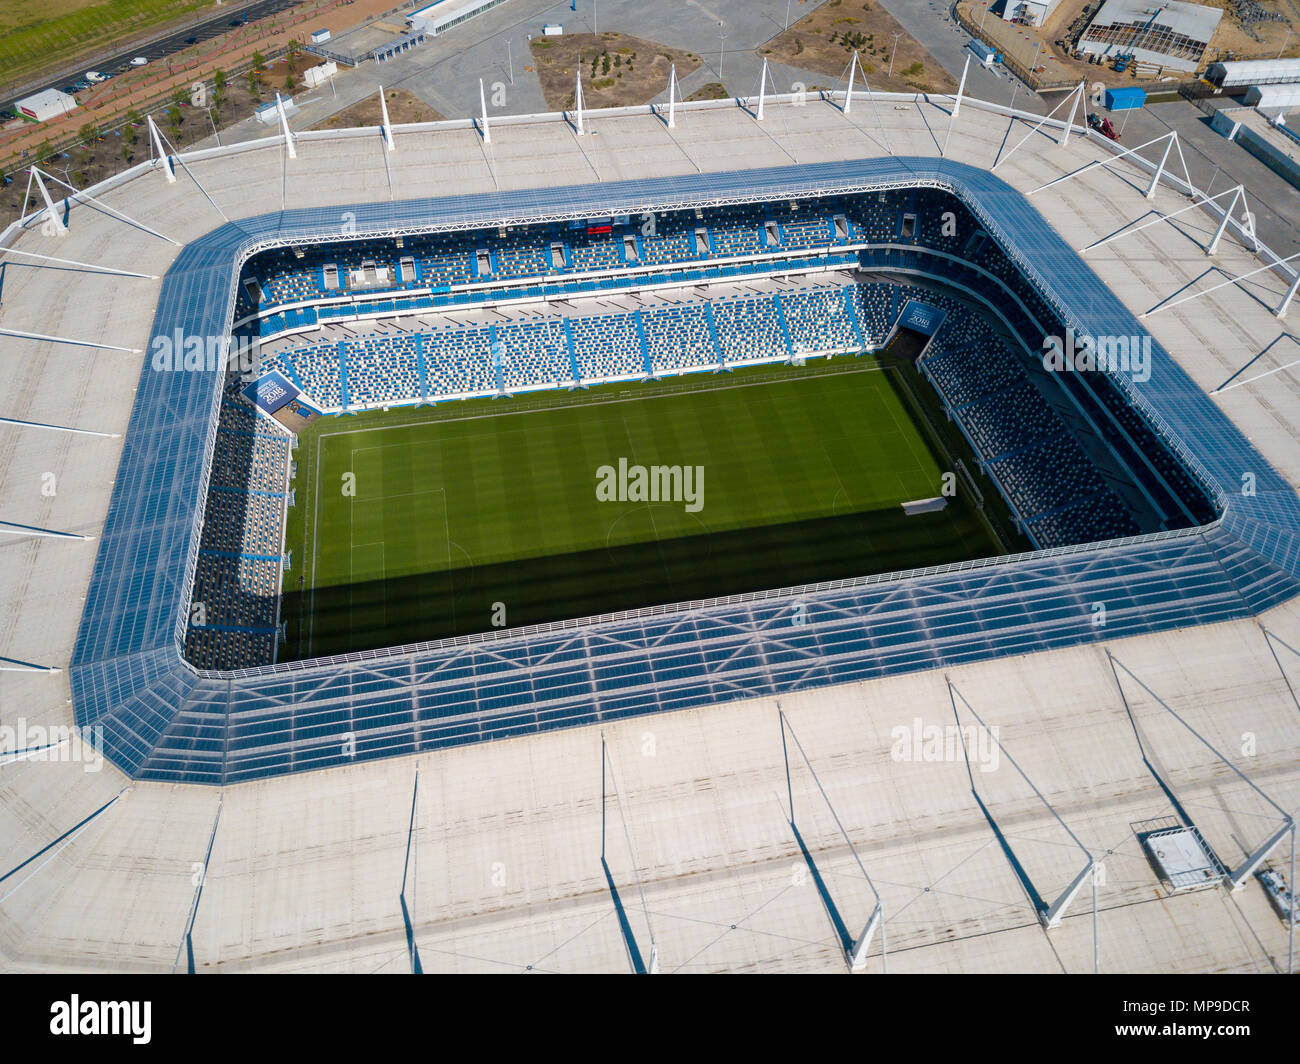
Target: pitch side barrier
165, 720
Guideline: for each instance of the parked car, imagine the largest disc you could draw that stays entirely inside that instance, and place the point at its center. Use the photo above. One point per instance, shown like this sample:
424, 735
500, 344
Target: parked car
191, 40
139, 61
95, 77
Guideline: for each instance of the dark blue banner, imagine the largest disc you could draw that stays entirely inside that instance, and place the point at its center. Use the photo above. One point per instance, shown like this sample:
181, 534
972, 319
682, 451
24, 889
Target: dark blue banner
271, 391
921, 317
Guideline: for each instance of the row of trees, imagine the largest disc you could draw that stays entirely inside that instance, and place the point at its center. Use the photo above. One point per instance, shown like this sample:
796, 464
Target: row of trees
90, 134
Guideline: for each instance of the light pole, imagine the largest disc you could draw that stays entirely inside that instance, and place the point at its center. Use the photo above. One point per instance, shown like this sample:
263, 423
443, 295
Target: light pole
892, 52
1285, 41
787, 13
1033, 63
510, 59
722, 46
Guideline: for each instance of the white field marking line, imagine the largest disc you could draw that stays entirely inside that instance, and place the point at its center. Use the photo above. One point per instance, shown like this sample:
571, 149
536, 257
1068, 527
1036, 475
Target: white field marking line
351, 500
383, 572
603, 402
320, 441
654, 528
446, 532
315, 532
917, 459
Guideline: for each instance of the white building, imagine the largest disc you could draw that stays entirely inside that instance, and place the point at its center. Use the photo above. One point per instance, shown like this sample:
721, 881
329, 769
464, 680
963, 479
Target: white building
1028, 12
440, 16
52, 103
1170, 34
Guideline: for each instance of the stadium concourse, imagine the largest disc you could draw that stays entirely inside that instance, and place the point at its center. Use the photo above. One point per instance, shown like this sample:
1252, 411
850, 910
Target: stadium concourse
724, 844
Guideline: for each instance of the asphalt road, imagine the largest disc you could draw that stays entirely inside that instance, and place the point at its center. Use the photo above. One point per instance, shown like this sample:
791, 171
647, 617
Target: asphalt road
167, 44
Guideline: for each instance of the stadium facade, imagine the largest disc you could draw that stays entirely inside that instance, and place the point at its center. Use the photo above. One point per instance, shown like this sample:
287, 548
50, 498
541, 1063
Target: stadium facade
302, 872
163, 719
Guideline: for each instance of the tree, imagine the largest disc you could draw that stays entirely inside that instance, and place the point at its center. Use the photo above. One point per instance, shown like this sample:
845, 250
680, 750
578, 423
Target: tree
179, 99
218, 87
289, 81
88, 134
254, 82
259, 62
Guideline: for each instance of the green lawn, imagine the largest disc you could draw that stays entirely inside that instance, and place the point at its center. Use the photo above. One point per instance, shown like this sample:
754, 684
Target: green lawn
34, 36
485, 502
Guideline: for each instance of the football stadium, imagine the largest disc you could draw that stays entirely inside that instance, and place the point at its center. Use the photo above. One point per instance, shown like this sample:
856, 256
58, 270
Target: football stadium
831, 532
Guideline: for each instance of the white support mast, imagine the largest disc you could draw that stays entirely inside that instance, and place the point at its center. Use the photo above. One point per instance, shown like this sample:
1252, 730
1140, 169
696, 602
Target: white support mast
284, 127
482, 99
1069, 118
961, 87
386, 125
577, 105
53, 214
1160, 170
672, 96
956, 107
169, 171
1039, 125
848, 93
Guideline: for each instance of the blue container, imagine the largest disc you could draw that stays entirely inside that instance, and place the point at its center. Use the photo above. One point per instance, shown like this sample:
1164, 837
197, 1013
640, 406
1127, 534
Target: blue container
1129, 98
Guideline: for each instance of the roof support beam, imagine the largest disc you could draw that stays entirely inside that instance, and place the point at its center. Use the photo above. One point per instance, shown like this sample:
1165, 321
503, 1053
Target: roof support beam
1231, 280
10, 528
21, 335
1037, 126
956, 108
1160, 170
85, 197
57, 428
1164, 218
56, 846
386, 125
854, 63
14, 665
52, 215
855, 949
1239, 193
1096, 162
284, 127
1049, 915
83, 265
155, 138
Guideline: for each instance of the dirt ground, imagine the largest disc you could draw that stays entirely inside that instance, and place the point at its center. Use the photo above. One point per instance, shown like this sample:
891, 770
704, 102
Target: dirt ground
637, 70
403, 107
1233, 39
808, 44
714, 90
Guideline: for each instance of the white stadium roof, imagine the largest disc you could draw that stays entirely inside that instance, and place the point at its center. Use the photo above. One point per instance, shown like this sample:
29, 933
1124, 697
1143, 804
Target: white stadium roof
505, 860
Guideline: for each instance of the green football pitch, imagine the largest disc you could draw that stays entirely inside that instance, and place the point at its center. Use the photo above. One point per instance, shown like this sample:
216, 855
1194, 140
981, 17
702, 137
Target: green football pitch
413, 525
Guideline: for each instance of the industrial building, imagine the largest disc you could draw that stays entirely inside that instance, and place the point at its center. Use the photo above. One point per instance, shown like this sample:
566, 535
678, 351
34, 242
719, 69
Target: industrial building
1172, 34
